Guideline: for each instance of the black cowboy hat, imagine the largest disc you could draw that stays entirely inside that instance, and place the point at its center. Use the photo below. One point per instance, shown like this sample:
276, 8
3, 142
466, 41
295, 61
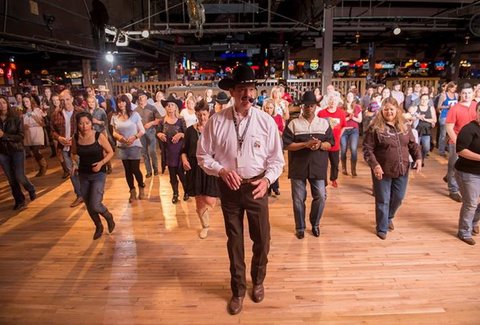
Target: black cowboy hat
222, 98
171, 99
309, 98
242, 74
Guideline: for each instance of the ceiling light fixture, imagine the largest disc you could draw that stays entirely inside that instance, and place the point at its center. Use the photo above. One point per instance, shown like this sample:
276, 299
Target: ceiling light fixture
145, 33
397, 30
109, 57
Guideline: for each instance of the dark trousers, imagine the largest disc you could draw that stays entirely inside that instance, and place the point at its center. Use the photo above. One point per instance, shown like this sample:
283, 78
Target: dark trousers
173, 173
234, 204
132, 168
334, 158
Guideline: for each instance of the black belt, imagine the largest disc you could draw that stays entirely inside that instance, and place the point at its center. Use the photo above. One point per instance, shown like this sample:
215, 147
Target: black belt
253, 179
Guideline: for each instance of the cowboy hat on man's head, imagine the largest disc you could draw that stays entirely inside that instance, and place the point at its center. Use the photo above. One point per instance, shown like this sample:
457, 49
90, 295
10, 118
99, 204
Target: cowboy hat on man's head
222, 98
171, 99
309, 98
242, 74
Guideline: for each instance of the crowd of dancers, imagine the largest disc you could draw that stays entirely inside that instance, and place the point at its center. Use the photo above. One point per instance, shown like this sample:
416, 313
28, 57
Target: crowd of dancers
230, 146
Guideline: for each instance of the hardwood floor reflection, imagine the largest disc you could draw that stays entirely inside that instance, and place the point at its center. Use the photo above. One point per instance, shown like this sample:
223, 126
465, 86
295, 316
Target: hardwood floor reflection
155, 270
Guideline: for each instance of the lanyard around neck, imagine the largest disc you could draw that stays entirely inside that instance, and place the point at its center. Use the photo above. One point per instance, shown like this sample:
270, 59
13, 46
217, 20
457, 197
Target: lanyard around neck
240, 138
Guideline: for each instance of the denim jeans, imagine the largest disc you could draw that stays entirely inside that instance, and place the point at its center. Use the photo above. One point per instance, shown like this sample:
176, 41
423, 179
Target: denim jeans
93, 187
425, 144
299, 195
149, 150
389, 193
452, 159
442, 138
349, 136
74, 178
13, 166
469, 185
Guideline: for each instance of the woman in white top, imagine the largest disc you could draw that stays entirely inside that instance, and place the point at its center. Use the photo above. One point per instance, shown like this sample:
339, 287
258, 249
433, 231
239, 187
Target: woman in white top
281, 105
33, 124
188, 113
127, 130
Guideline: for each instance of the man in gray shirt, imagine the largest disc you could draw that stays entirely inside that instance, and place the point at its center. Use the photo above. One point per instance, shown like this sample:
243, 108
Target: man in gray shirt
150, 119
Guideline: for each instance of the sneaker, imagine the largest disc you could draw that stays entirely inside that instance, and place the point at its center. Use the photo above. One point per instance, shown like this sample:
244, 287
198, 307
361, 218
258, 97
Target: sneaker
148, 175
77, 202
455, 196
334, 184
468, 240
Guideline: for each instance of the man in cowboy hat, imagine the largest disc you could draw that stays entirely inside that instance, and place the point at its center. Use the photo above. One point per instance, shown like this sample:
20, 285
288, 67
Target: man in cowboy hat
242, 147
308, 139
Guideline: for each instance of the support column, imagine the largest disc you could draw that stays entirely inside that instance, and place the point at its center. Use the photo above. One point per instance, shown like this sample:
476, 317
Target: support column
286, 56
327, 57
371, 61
454, 67
86, 72
173, 67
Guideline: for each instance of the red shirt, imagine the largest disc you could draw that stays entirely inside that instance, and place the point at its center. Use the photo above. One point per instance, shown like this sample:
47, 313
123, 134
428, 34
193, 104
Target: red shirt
460, 115
279, 121
337, 123
357, 109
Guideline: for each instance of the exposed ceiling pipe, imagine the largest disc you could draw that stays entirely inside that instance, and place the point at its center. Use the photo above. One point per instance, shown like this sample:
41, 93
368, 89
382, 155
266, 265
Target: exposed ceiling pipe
5, 17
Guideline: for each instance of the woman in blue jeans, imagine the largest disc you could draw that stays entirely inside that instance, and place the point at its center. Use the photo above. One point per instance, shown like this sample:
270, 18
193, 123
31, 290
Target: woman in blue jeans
386, 148
467, 173
12, 154
94, 152
353, 112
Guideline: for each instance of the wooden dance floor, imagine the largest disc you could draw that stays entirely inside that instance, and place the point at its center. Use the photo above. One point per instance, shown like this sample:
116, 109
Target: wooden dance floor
155, 270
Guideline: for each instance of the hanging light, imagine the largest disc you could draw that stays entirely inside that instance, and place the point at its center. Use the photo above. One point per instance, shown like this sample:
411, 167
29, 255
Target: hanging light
467, 38
109, 57
357, 37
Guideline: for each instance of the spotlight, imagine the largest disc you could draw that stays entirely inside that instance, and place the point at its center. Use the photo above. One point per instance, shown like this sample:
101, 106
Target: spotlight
397, 30
109, 57
145, 33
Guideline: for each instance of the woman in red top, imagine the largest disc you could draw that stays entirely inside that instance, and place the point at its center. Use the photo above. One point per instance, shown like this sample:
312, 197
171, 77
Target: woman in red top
350, 135
337, 120
269, 108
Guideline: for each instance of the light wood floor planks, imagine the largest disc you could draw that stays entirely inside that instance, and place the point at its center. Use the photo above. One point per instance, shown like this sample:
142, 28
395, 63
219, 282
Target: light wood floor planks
155, 270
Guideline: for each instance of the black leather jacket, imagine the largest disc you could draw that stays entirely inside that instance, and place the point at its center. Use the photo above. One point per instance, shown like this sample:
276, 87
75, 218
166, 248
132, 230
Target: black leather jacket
12, 139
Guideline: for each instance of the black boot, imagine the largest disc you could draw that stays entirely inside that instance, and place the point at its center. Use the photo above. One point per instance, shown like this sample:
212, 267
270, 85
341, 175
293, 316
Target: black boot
354, 168
109, 217
344, 167
98, 227
175, 198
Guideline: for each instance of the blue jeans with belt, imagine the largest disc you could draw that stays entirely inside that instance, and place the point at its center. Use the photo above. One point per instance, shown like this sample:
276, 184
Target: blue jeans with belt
469, 185
13, 165
349, 136
389, 193
93, 187
299, 196
149, 150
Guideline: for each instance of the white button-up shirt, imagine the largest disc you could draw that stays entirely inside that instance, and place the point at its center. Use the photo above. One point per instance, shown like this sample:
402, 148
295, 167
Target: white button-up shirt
217, 147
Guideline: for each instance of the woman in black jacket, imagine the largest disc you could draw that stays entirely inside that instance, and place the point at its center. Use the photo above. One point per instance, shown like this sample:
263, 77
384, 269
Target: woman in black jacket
12, 154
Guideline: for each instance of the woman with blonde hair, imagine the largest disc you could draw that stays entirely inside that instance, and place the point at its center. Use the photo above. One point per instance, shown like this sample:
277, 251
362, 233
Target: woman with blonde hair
281, 105
386, 148
171, 131
188, 113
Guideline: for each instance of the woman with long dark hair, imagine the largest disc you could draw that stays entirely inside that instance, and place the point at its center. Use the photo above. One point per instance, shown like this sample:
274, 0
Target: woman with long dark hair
12, 154
94, 152
127, 130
